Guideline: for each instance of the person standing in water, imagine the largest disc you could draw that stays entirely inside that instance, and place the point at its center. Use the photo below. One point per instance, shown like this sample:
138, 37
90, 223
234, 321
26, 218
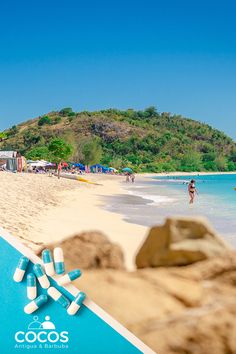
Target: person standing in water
127, 179
132, 178
192, 190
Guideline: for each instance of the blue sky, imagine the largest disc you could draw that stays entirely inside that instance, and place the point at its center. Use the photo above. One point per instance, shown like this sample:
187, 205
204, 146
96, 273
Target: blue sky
177, 55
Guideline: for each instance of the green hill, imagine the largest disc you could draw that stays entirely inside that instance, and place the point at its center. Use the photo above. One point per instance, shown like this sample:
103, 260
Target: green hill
145, 140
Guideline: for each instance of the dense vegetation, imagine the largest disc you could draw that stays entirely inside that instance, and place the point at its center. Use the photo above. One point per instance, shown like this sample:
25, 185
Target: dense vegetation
144, 140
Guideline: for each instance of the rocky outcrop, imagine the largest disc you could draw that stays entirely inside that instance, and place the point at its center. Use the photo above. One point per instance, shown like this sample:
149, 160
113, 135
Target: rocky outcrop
90, 250
110, 131
174, 310
180, 241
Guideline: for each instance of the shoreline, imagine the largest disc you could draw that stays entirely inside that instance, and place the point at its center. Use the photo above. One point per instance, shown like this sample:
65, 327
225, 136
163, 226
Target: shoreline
161, 174
216, 201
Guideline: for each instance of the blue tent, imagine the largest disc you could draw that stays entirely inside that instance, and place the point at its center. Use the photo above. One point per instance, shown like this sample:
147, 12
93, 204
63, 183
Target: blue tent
99, 167
80, 165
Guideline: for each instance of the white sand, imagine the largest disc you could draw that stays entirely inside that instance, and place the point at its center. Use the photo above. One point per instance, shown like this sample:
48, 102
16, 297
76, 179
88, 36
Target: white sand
82, 211
43, 209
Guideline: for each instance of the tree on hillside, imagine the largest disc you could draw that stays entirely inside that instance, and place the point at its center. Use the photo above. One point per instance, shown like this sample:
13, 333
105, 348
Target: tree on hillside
77, 144
66, 111
209, 161
191, 162
12, 131
78, 154
57, 120
233, 156
44, 120
59, 150
210, 156
221, 163
150, 111
38, 153
3, 136
117, 163
32, 137
92, 151
231, 166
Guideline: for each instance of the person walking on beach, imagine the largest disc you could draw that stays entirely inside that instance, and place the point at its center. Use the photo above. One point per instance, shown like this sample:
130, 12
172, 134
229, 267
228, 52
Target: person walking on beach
127, 177
59, 168
132, 178
192, 190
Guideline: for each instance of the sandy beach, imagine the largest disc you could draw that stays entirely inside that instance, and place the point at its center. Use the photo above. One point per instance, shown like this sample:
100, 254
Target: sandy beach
43, 209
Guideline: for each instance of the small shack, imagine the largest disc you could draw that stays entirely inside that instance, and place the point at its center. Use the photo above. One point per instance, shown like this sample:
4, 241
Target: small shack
11, 161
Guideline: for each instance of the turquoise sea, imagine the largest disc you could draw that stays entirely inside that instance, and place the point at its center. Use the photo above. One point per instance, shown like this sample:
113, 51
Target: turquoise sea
149, 201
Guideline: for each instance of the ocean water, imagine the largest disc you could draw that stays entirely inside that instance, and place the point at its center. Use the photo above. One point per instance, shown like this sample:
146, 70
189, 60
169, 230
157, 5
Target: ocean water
149, 201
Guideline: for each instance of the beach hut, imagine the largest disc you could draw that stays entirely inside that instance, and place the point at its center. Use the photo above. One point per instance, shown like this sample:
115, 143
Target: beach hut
12, 161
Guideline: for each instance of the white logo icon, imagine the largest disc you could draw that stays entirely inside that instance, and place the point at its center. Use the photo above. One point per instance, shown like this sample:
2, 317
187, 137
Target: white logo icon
47, 324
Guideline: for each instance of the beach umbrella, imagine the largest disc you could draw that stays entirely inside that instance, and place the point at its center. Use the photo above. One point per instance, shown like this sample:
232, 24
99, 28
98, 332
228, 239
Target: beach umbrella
38, 164
50, 164
127, 169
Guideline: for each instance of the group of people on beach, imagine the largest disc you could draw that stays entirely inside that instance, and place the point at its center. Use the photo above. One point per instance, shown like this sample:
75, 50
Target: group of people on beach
130, 177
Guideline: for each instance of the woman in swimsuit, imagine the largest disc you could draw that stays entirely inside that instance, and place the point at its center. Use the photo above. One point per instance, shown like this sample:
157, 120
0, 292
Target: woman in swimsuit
192, 191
